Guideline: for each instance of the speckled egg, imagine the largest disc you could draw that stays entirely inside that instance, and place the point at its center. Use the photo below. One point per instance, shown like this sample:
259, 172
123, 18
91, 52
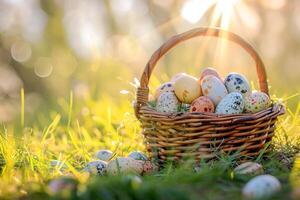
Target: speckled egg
213, 88
177, 76
125, 165
249, 168
232, 103
165, 87
97, 167
187, 89
167, 102
202, 104
149, 167
256, 102
136, 155
104, 154
210, 71
261, 187
235, 82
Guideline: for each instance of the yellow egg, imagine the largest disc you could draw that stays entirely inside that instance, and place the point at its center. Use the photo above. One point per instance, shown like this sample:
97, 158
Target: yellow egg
187, 88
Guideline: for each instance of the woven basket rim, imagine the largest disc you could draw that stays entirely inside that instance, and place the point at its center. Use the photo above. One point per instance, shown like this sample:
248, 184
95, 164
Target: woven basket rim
275, 107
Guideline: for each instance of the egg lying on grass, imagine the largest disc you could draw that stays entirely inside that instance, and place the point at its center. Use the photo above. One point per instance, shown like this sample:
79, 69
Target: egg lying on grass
187, 89
213, 88
167, 102
97, 167
124, 165
136, 155
104, 155
202, 104
232, 103
256, 102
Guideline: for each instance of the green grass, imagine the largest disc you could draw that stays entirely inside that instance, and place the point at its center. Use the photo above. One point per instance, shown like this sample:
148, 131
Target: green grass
76, 129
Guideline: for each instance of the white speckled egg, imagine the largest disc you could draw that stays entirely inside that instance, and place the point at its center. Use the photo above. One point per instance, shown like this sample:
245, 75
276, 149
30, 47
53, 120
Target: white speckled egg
187, 89
249, 168
232, 103
261, 187
235, 82
177, 76
213, 88
136, 155
209, 71
165, 87
97, 167
105, 155
125, 165
256, 102
167, 102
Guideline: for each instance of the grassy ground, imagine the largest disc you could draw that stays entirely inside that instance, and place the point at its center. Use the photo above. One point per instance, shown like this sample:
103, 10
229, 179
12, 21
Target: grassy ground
75, 130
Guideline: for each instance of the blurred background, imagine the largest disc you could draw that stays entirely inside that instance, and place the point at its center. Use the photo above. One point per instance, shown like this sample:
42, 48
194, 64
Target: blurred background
98, 48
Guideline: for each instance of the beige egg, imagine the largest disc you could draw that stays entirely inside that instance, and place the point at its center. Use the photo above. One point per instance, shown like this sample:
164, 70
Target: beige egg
167, 102
249, 168
210, 71
187, 89
165, 87
177, 76
202, 104
213, 88
261, 187
97, 167
124, 165
257, 101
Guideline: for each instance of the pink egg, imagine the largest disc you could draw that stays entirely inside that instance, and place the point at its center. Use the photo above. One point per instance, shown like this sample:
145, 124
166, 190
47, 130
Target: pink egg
202, 104
210, 71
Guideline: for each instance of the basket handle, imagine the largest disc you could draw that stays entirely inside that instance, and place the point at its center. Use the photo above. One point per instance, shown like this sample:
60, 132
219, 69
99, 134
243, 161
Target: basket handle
143, 90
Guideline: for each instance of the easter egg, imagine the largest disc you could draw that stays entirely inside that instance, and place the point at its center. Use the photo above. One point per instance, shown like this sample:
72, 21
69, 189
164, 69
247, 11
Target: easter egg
97, 167
232, 103
187, 89
166, 87
149, 167
213, 88
104, 155
177, 76
256, 102
249, 168
167, 102
261, 187
235, 82
62, 185
202, 104
124, 165
209, 71
136, 155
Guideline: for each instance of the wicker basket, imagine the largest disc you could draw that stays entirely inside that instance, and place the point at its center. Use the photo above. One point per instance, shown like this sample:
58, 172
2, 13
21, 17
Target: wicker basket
174, 137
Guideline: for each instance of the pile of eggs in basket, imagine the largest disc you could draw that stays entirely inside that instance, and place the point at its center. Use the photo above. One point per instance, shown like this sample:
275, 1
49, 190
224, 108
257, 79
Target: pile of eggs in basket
209, 93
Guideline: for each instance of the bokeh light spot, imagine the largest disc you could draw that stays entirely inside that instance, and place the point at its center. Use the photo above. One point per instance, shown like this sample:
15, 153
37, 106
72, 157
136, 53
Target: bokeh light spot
43, 67
21, 51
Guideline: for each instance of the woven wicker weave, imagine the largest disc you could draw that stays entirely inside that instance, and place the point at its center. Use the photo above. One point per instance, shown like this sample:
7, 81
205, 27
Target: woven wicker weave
173, 137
